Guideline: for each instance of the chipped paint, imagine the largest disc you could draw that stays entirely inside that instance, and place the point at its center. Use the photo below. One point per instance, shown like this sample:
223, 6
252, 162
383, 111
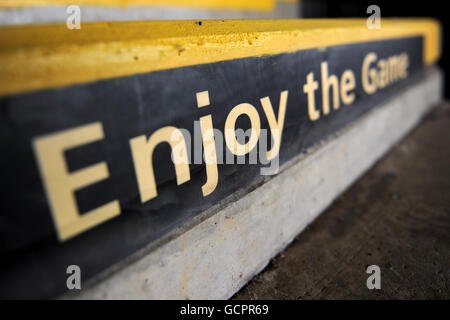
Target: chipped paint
30, 59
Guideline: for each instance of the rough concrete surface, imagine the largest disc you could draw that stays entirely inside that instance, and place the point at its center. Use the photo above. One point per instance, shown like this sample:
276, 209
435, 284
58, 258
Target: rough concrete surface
397, 217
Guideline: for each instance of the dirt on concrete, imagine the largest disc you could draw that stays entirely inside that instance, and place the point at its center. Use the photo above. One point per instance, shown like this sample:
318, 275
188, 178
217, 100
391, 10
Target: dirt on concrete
397, 216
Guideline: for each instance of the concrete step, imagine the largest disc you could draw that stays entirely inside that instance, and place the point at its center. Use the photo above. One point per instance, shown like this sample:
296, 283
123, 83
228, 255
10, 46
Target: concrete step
113, 167
395, 217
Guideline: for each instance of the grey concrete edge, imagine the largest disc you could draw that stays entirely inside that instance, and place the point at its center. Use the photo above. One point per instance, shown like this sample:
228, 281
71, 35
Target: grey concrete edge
225, 247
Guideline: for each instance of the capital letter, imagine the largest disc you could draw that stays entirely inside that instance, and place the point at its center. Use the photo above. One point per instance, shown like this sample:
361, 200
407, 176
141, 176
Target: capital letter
60, 184
369, 85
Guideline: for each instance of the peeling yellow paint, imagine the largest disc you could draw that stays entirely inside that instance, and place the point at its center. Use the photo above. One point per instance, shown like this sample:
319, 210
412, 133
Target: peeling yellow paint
262, 5
49, 56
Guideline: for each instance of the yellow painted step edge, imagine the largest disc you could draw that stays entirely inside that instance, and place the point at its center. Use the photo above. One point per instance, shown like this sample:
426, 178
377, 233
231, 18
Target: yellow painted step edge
50, 56
264, 5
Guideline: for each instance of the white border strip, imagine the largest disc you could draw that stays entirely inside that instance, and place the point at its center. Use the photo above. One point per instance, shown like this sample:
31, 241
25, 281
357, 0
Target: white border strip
57, 14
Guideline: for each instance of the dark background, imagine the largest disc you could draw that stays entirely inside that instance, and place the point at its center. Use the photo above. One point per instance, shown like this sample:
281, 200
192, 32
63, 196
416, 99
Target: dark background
400, 8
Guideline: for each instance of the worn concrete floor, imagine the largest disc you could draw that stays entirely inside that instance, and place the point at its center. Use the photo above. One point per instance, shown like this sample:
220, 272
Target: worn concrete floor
397, 216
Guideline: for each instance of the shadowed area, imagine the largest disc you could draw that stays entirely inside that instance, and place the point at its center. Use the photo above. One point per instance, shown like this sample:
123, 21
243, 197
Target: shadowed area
397, 216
